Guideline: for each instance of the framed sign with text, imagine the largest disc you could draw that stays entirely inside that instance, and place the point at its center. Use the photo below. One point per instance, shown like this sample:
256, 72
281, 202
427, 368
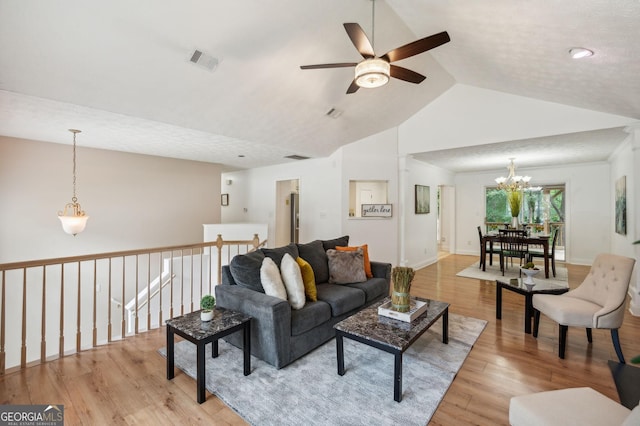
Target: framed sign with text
376, 210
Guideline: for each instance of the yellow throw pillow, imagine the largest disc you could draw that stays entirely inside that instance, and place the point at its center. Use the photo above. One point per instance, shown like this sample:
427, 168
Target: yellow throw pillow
365, 251
309, 279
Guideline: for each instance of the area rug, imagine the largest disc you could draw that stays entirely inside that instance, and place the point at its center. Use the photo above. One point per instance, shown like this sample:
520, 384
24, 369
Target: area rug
493, 273
310, 391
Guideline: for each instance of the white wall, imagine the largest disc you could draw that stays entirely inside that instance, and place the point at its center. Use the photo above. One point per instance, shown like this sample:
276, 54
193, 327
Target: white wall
626, 162
134, 201
420, 246
252, 196
588, 207
373, 158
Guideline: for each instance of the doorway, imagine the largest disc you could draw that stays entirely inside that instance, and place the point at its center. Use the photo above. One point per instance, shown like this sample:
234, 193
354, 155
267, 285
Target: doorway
445, 220
287, 228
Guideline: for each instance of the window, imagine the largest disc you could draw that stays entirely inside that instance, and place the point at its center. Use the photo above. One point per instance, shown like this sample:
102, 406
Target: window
543, 209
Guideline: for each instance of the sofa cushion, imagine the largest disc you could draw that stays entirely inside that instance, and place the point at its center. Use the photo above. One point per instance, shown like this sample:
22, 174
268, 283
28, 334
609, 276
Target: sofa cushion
277, 253
373, 288
245, 270
365, 252
271, 279
346, 266
316, 255
331, 244
342, 299
292, 278
311, 315
308, 279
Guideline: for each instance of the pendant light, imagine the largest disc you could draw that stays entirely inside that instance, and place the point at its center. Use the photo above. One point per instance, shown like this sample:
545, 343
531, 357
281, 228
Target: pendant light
72, 217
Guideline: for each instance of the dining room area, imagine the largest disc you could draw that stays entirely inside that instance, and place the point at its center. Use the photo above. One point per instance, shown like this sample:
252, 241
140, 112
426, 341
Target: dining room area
524, 229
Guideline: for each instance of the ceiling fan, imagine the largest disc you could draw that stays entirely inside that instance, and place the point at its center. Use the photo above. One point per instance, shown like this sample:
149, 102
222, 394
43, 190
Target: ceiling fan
375, 71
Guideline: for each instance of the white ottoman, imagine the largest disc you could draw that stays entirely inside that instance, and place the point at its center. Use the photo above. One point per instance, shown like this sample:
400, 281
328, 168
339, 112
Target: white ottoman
565, 407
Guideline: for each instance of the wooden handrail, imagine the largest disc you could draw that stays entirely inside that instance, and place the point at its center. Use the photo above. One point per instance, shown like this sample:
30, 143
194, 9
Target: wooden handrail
44, 302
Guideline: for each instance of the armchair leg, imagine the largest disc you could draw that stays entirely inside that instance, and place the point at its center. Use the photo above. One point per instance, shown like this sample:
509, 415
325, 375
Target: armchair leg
562, 338
616, 344
589, 336
536, 322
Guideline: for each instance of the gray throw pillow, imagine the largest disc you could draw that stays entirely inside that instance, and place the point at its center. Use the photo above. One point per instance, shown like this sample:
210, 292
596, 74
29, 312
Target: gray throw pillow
346, 267
245, 270
277, 253
331, 244
315, 254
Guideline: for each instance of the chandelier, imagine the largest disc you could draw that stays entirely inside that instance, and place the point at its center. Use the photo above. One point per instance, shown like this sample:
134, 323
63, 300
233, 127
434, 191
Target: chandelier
512, 182
72, 217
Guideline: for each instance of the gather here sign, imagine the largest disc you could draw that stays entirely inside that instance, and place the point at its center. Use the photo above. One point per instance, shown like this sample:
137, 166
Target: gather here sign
376, 210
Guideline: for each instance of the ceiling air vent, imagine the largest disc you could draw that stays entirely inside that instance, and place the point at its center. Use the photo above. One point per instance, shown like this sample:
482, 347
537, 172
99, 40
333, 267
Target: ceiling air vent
297, 157
333, 113
204, 60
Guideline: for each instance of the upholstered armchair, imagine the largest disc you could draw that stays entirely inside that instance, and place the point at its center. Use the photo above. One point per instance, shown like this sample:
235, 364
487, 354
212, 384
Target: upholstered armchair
597, 303
573, 406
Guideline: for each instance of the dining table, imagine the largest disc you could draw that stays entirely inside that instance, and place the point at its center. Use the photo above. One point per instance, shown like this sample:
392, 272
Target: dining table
534, 239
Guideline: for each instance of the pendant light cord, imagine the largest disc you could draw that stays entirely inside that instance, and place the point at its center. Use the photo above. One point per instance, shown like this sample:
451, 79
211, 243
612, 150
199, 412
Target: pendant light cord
74, 199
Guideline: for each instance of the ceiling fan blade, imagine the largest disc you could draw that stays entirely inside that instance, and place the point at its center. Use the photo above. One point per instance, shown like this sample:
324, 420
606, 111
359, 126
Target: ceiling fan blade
353, 88
406, 74
417, 47
359, 40
338, 65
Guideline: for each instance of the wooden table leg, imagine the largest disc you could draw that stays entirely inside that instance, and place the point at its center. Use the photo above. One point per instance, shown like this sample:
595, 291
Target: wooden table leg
200, 374
170, 362
546, 259
445, 326
397, 377
340, 353
498, 301
246, 333
528, 312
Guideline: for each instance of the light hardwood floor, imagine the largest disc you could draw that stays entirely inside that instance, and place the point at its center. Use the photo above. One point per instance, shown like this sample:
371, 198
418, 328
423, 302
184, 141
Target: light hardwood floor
125, 382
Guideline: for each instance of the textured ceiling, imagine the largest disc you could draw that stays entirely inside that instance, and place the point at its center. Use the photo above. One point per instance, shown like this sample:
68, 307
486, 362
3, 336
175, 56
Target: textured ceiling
120, 70
582, 147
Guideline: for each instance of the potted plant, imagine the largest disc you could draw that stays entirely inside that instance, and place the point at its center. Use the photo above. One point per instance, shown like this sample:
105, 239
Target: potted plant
515, 201
207, 303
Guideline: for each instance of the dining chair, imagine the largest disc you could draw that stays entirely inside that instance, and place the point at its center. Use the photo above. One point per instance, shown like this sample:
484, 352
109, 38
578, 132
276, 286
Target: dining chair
596, 303
536, 252
512, 245
488, 247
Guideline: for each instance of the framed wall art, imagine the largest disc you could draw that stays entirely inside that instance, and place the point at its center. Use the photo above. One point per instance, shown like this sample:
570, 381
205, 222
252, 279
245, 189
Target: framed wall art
422, 199
621, 206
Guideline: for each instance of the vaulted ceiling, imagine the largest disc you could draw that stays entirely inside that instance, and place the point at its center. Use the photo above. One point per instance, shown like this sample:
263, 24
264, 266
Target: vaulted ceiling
120, 70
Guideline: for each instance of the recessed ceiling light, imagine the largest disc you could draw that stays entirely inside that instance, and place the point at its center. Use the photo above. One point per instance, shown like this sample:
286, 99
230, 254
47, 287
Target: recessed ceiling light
580, 52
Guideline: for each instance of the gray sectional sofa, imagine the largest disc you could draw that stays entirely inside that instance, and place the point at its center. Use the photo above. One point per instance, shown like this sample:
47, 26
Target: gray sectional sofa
280, 334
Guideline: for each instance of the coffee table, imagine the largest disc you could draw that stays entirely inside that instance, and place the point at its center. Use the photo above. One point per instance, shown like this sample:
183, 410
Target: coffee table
191, 328
517, 286
390, 335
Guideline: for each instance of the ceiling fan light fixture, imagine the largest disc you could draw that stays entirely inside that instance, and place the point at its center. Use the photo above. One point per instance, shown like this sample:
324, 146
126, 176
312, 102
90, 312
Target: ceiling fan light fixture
372, 73
580, 52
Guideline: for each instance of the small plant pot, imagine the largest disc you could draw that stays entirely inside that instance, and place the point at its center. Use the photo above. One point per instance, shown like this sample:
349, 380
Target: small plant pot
206, 316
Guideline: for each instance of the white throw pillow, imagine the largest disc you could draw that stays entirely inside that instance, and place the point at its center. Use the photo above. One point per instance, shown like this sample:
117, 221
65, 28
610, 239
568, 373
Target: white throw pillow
271, 280
293, 283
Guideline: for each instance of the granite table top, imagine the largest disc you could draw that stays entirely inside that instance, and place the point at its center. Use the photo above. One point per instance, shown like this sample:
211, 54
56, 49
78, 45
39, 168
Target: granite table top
369, 325
223, 319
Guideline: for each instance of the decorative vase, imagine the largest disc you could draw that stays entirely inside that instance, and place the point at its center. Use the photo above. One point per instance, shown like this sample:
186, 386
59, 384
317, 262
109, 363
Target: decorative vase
400, 297
514, 222
528, 280
206, 315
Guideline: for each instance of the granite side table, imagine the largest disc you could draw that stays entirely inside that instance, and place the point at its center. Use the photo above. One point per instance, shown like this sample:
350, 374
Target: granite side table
191, 328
